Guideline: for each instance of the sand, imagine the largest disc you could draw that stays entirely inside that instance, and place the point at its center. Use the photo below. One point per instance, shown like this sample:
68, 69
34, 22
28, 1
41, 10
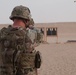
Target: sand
58, 59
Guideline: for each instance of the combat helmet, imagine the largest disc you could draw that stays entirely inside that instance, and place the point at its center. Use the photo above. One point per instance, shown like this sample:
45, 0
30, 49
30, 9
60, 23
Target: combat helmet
20, 12
31, 21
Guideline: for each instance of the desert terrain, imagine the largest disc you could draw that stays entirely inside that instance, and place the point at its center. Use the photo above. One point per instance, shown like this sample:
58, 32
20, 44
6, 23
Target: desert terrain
58, 59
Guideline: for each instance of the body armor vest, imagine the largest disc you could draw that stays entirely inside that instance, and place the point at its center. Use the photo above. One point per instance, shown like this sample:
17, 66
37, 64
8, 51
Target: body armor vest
15, 51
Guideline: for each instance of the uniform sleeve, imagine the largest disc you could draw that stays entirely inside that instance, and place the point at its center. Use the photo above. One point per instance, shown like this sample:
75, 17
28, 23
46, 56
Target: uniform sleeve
28, 43
27, 39
39, 36
1, 43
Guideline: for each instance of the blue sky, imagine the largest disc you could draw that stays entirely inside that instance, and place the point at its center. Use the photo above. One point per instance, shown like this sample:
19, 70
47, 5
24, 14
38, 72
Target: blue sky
43, 11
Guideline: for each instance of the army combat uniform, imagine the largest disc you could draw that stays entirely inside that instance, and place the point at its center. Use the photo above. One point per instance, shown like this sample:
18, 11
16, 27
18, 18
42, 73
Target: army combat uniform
16, 53
34, 33
17, 56
36, 37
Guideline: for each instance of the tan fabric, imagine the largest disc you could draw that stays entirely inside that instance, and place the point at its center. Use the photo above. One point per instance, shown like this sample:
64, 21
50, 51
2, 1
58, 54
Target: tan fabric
24, 58
35, 35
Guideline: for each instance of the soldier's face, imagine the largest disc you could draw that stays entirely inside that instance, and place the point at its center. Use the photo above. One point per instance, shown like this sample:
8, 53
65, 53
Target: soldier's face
18, 23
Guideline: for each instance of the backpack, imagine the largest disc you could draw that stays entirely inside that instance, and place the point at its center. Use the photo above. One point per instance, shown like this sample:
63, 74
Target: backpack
14, 42
15, 55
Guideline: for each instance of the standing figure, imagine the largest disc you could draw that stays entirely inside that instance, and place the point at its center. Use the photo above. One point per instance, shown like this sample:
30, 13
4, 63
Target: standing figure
16, 50
36, 37
34, 33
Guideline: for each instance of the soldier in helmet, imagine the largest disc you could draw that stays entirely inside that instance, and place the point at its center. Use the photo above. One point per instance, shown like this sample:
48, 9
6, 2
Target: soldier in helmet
36, 37
18, 57
22, 14
34, 33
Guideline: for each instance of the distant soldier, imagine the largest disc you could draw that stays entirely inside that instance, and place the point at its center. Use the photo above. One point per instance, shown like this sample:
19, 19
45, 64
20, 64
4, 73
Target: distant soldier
34, 33
36, 37
16, 50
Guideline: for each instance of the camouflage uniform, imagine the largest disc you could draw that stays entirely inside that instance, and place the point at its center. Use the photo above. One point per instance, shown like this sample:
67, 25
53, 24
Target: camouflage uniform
13, 49
34, 33
17, 56
36, 37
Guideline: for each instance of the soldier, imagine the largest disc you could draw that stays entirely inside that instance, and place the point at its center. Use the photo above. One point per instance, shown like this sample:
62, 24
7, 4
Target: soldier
17, 55
34, 33
36, 37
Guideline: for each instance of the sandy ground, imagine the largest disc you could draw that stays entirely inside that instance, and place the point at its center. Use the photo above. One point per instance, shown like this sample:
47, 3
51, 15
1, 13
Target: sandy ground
58, 59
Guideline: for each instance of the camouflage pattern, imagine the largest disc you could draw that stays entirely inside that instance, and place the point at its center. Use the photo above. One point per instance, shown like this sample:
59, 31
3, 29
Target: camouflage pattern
16, 53
26, 64
36, 37
21, 12
34, 33
31, 22
39, 35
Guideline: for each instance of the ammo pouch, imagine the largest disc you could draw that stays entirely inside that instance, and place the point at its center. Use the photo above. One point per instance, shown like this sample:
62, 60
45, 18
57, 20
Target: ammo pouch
37, 59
